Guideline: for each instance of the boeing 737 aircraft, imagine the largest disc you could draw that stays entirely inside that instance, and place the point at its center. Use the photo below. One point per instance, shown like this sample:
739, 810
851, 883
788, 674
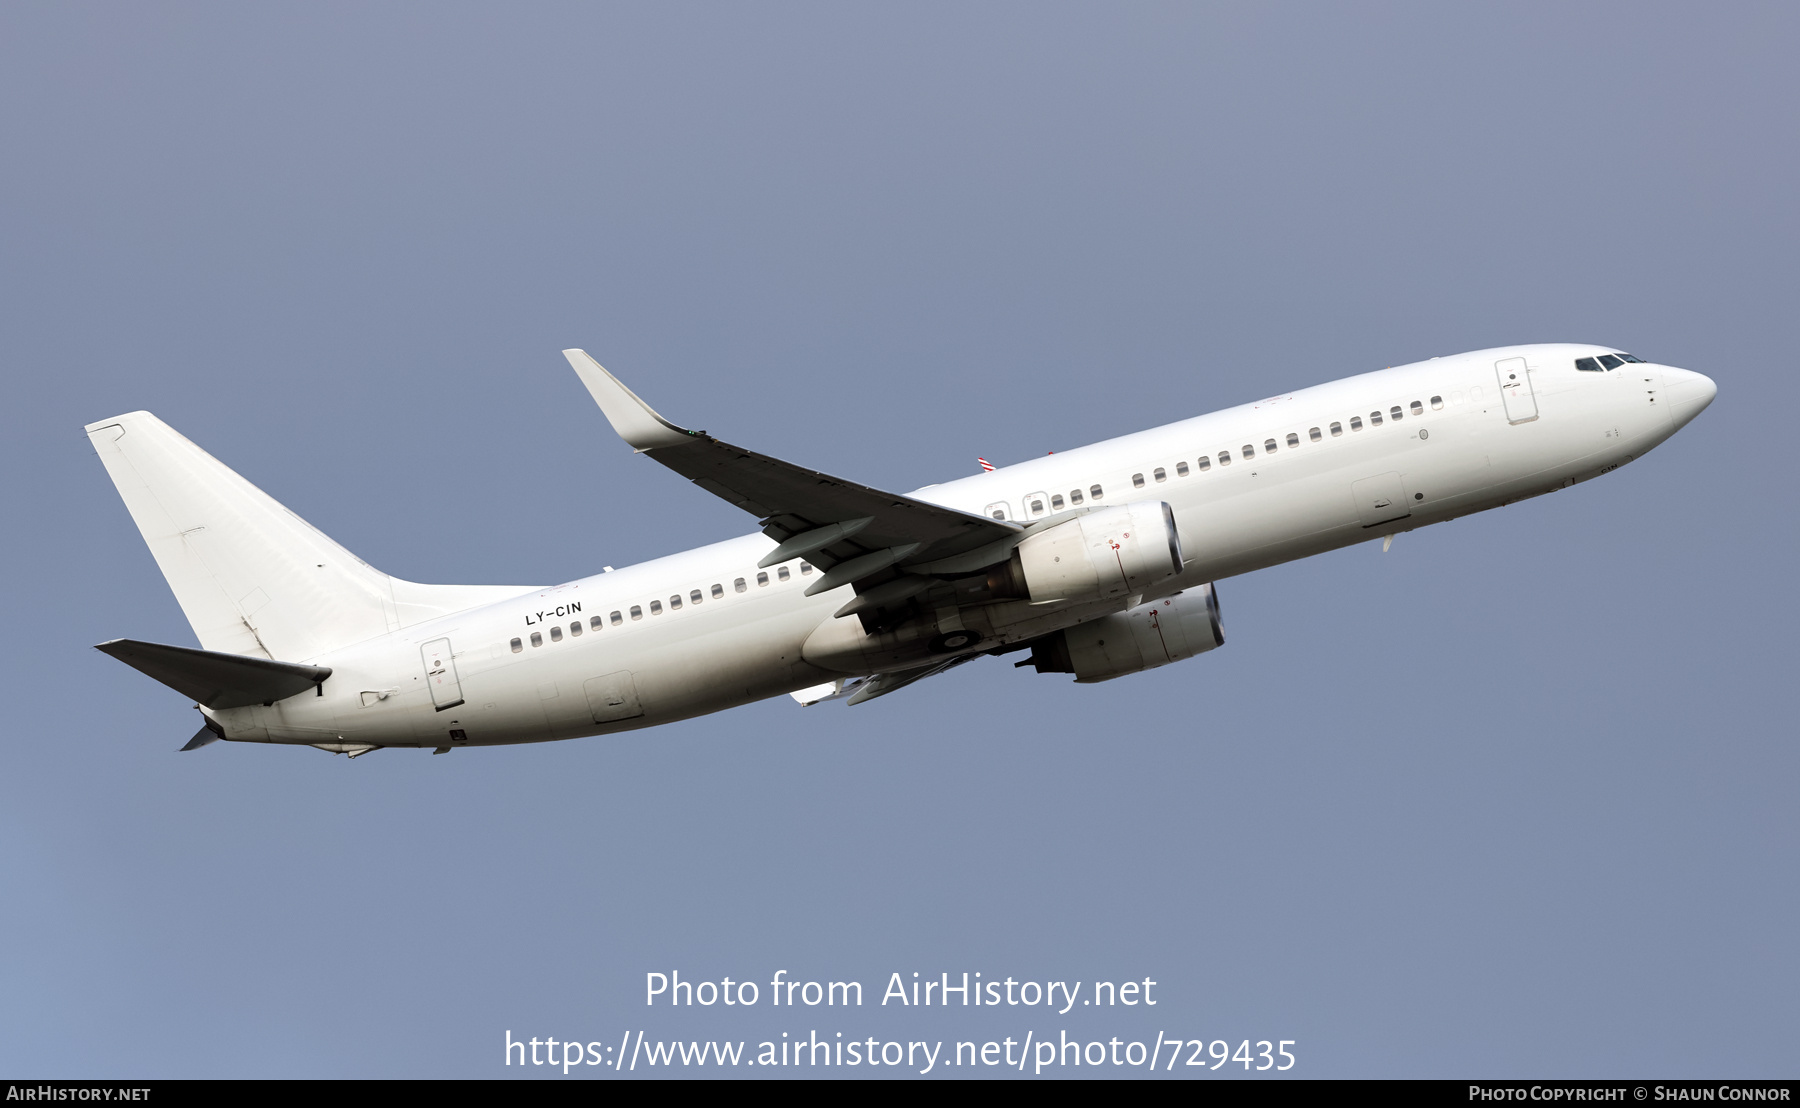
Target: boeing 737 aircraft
1098, 562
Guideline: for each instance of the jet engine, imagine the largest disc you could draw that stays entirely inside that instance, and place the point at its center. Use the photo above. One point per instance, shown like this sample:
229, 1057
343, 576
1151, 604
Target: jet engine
1119, 551
1144, 637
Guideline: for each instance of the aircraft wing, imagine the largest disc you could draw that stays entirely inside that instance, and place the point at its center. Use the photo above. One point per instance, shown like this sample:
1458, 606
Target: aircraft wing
856, 690
850, 531
881, 684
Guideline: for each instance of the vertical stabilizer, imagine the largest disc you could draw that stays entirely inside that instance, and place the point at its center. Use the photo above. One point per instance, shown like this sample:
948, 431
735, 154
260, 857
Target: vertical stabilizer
251, 576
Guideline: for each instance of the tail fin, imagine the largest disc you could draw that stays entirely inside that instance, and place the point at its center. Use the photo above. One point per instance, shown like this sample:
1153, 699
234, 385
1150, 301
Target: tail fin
252, 577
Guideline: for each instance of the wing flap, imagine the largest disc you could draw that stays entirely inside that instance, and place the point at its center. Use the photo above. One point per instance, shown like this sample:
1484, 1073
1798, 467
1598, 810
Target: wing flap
880, 684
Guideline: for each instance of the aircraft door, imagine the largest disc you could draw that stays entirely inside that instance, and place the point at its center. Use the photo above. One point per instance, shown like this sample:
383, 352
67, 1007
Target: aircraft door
440, 674
612, 697
1515, 390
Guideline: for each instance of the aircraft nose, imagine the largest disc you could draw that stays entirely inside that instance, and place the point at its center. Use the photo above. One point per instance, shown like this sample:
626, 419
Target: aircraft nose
1688, 393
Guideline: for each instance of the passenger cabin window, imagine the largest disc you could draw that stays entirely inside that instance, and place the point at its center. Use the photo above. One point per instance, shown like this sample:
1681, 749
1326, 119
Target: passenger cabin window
596, 623
1249, 451
1374, 419
1437, 402
656, 607
637, 612
1160, 474
998, 510
782, 574
1394, 413
1137, 480
555, 634
1075, 496
694, 597
1181, 469
1096, 491
1611, 362
1587, 365
1056, 502
574, 628
718, 591
517, 646
739, 585
1356, 423
1035, 505
1315, 434
617, 619
1336, 430
1418, 408
805, 568
1293, 440
674, 601
1268, 446
1204, 464
537, 638
1224, 457
762, 578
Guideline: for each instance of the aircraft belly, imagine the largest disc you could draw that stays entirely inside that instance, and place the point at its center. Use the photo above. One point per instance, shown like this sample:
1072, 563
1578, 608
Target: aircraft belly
693, 665
732, 666
503, 706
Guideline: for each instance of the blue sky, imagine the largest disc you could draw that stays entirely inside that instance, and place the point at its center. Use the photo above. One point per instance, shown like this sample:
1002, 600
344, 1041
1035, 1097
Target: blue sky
1514, 799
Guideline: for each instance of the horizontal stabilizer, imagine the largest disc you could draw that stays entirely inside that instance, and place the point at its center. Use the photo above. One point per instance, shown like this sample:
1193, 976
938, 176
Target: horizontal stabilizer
216, 680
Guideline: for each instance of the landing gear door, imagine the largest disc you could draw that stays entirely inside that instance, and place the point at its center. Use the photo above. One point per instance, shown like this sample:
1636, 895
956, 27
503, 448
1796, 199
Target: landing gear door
440, 674
1515, 390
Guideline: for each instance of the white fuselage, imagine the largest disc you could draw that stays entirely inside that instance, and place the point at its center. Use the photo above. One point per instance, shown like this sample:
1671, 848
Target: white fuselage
1334, 477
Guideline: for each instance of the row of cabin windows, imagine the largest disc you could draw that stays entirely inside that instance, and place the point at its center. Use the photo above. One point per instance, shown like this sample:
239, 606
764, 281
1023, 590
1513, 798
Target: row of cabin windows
694, 596
1270, 446
1034, 503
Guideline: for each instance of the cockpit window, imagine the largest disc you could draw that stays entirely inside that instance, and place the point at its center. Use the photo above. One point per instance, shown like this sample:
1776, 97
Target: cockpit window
1624, 357
1611, 362
1587, 365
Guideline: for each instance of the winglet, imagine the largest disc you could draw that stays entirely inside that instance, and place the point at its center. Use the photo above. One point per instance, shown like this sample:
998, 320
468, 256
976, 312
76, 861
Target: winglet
635, 421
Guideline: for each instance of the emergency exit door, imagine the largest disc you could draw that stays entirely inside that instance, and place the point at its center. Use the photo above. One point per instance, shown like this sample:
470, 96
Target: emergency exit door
1515, 390
440, 674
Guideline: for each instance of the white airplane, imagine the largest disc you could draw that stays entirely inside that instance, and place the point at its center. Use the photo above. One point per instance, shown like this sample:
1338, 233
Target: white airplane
1099, 561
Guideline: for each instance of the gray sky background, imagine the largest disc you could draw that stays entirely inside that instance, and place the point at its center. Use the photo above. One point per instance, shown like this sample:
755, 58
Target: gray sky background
1517, 798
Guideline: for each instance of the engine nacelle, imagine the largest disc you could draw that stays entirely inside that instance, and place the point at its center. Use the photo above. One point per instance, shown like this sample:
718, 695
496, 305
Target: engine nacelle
1144, 637
1119, 551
